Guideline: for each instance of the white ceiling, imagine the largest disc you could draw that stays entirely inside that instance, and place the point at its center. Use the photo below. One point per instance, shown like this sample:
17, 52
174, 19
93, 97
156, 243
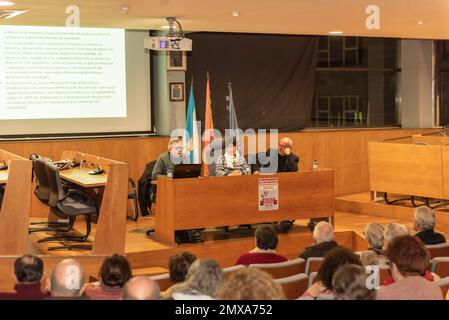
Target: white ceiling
398, 17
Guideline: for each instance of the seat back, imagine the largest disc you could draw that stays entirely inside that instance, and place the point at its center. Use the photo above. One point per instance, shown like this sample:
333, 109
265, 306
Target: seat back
440, 266
313, 264
282, 269
382, 275
312, 278
56, 190
438, 250
42, 183
163, 280
294, 286
444, 285
230, 270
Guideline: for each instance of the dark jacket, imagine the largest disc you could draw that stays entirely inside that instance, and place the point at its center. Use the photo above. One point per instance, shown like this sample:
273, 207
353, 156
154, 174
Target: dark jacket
145, 188
285, 163
429, 236
25, 291
318, 250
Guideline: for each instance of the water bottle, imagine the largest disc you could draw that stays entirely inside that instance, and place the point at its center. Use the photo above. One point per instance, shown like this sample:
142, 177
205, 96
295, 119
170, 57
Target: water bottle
170, 173
315, 165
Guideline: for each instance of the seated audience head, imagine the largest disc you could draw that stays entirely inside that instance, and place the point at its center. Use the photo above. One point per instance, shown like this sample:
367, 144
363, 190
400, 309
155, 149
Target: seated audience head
284, 143
115, 271
67, 279
28, 269
350, 283
374, 234
408, 257
334, 259
423, 219
266, 237
250, 284
179, 265
393, 230
323, 232
204, 277
141, 288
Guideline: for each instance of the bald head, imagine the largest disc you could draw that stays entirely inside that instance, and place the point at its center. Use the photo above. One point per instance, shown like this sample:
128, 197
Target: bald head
285, 146
67, 279
323, 232
141, 288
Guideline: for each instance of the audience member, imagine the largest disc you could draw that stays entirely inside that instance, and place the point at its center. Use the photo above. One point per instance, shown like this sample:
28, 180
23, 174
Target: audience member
203, 281
322, 288
323, 234
28, 275
141, 288
374, 235
67, 281
114, 273
409, 260
349, 283
393, 230
265, 250
250, 284
424, 223
178, 266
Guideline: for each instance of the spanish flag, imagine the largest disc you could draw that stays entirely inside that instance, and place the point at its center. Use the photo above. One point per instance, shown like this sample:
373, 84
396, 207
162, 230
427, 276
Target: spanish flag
208, 136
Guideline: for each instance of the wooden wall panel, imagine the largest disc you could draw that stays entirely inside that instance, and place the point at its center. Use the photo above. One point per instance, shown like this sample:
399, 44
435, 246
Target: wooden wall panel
342, 150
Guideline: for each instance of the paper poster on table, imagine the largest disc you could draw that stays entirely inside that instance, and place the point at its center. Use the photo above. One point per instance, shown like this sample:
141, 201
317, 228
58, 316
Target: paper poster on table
268, 194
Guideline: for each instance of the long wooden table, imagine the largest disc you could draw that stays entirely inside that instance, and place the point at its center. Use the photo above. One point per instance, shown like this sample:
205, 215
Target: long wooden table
15, 210
226, 201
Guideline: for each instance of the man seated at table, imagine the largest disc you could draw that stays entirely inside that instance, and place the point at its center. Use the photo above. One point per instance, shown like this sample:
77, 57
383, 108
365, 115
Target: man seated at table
265, 250
231, 163
287, 161
167, 161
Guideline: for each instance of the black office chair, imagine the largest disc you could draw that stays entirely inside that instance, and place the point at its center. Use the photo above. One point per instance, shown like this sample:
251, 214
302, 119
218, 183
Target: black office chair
132, 197
69, 204
42, 191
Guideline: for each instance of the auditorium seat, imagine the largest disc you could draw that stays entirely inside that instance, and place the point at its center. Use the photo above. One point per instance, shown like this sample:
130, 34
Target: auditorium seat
163, 280
440, 266
313, 264
444, 285
312, 278
230, 270
282, 269
438, 250
294, 286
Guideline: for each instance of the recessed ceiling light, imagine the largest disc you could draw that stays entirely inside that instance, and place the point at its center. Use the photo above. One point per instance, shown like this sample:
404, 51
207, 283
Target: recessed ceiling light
6, 3
420, 22
167, 27
236, 14
335, 32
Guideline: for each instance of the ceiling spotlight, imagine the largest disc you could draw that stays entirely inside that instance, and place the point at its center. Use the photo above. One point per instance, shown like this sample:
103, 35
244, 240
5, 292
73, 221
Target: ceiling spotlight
236, 14
335, 32
124, 9
6, 3
420, 22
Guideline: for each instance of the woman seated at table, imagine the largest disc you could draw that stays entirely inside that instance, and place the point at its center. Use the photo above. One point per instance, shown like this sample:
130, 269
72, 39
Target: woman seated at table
231, 163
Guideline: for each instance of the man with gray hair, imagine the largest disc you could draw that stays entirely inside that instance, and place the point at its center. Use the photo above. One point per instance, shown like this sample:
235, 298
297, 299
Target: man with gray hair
141, 288
424, 223
67, 281
323, 234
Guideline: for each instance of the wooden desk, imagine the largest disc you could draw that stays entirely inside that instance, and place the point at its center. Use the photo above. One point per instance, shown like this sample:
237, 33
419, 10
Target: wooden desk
226, 201
15, 210
81, 176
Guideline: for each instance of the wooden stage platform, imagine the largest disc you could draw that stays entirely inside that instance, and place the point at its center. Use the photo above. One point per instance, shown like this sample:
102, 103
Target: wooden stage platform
352, 214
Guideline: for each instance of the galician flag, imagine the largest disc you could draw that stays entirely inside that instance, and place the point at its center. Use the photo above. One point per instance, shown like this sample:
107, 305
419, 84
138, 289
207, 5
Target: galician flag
191, 139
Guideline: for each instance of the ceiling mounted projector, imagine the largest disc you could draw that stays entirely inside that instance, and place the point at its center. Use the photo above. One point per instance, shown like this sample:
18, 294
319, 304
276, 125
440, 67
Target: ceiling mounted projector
174, 41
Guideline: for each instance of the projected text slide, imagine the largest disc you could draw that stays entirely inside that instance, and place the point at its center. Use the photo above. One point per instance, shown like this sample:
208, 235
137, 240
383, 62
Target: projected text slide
51, 73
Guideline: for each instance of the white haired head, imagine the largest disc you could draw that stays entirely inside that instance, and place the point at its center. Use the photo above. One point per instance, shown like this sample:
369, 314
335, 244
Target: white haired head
323, 232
